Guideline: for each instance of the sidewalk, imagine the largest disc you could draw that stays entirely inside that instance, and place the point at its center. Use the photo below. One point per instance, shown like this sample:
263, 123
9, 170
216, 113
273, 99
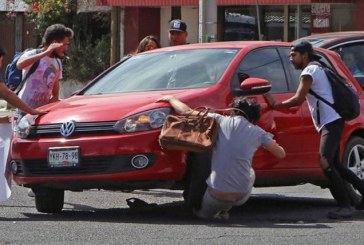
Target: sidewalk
3, 110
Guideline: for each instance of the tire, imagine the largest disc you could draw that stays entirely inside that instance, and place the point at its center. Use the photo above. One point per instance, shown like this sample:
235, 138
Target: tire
198, 170
49, 200
353, 159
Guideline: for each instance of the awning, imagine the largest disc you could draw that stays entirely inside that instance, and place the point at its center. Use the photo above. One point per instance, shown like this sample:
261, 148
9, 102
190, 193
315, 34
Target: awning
156, 3
277, 2
148, 3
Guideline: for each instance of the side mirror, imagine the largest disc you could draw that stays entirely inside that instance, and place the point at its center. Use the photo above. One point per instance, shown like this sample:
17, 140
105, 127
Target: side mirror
253, 86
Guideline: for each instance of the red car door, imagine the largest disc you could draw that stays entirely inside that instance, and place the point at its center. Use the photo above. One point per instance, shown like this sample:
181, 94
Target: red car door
287, 125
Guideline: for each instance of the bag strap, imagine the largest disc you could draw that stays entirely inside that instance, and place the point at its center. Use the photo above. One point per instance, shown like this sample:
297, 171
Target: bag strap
321, 98
203, 113
322, 65
30, 72
233, 109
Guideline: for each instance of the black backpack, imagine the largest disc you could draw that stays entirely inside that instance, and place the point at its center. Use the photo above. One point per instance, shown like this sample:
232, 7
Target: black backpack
346, 100
13, 76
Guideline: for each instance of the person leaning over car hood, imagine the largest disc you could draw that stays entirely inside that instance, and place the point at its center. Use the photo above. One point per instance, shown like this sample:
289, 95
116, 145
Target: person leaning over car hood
232, 177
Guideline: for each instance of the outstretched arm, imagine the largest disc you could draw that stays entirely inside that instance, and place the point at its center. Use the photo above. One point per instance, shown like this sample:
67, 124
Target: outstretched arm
297, 99
15, 101
178, 106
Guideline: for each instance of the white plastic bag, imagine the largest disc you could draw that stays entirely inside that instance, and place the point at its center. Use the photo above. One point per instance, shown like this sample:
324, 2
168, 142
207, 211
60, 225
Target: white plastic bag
5, 137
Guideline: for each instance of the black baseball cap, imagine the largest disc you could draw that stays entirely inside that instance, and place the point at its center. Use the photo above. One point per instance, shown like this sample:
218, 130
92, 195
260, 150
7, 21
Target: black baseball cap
177, 25
304, 46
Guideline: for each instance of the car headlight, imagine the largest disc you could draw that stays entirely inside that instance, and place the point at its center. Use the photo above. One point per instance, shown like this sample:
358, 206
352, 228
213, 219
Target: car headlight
22, 128
146, 120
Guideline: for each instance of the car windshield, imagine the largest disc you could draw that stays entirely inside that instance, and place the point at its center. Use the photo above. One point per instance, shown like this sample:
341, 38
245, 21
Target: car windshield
164, 70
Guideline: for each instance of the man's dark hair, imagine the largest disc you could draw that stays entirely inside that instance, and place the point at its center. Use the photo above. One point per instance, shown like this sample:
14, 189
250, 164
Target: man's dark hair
250, 108
2, 52
56, 32
303, 46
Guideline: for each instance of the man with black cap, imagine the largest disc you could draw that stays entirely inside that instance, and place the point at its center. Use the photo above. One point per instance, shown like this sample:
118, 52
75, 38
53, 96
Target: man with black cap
177, 33
326, 121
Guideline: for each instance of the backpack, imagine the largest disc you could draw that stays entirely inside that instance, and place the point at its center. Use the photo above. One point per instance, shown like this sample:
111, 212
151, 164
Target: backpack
346, 100
14, 77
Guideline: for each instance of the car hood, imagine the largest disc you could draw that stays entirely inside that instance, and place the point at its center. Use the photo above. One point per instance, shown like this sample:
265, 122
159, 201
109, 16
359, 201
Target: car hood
107, 107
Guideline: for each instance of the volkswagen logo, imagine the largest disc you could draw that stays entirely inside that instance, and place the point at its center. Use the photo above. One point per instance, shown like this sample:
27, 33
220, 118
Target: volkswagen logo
68, 128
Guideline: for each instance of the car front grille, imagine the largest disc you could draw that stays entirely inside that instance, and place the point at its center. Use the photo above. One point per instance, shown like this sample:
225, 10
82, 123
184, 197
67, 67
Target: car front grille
53, 130
88, 165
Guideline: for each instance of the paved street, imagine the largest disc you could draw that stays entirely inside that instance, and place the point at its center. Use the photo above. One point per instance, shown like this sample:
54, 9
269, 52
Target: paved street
285, 215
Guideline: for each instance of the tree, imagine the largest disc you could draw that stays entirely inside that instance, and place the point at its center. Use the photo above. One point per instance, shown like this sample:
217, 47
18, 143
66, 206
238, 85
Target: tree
90, 48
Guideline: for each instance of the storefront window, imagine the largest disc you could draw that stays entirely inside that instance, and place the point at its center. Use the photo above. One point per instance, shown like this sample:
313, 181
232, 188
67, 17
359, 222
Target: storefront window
285, 23
240, 23
342, 17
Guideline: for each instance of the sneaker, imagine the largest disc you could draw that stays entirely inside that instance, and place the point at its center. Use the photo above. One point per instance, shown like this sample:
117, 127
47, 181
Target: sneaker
344, 212
223, 215
31, 193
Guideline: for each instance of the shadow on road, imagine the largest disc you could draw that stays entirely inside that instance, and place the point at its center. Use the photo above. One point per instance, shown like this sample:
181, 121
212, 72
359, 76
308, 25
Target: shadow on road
267, 210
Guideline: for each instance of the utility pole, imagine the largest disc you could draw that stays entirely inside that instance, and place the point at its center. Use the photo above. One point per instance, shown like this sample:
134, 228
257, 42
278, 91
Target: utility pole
201, 20
115, 41
207, 28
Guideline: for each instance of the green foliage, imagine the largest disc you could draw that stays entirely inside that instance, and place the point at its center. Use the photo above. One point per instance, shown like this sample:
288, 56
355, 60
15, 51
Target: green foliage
47, 12
87, 60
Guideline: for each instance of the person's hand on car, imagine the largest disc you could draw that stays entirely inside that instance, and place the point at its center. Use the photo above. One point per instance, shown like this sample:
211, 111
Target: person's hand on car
166, 98
268, 96
38, 112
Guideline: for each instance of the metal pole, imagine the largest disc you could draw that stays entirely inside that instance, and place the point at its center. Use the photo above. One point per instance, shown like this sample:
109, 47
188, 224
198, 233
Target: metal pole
211, 21
201, 20
258, 19
299, 21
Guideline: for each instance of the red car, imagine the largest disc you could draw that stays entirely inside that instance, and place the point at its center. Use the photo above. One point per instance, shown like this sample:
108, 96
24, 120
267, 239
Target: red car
106, 136
350, 46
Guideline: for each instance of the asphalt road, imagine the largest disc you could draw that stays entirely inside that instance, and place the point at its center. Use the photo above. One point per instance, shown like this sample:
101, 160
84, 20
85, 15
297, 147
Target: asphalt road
285, 215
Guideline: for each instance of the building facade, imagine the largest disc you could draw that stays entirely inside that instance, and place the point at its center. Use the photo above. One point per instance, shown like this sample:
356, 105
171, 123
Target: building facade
283, 20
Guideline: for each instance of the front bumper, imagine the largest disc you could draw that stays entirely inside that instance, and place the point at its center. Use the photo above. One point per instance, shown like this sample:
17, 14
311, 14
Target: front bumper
105, 162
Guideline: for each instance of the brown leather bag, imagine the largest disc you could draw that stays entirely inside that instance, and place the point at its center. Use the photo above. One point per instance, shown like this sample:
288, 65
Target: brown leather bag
196, 133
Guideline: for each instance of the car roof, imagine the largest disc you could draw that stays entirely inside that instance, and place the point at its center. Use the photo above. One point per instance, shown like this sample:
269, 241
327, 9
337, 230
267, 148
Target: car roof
234, 45
329, 39
229, 44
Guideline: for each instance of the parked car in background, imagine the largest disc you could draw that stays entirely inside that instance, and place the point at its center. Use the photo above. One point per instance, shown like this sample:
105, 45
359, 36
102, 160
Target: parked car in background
350, 46
106, 135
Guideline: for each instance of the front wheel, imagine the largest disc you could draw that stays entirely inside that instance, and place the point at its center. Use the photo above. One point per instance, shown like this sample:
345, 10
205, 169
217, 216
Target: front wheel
49, 200
354, 160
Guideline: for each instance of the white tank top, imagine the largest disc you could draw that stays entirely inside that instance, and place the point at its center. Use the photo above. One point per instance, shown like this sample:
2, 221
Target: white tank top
321, 113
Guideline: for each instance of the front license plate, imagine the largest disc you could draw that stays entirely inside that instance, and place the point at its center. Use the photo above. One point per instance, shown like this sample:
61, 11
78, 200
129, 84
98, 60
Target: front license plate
63, 156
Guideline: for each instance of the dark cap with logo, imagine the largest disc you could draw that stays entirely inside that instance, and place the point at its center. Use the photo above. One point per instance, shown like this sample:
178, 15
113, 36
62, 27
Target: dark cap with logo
177, 25
304, 46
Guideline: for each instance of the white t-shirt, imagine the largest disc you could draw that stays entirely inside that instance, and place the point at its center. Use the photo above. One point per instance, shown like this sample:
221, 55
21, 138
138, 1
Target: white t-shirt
232, 155
37, 89
321, 112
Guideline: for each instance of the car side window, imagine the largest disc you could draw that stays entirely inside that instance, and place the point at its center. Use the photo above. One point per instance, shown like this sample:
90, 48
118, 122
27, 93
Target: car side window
353, 56
264, 63
295, 74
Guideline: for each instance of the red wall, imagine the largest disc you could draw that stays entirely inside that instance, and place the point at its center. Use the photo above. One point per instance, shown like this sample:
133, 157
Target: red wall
358, 18
140, 22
